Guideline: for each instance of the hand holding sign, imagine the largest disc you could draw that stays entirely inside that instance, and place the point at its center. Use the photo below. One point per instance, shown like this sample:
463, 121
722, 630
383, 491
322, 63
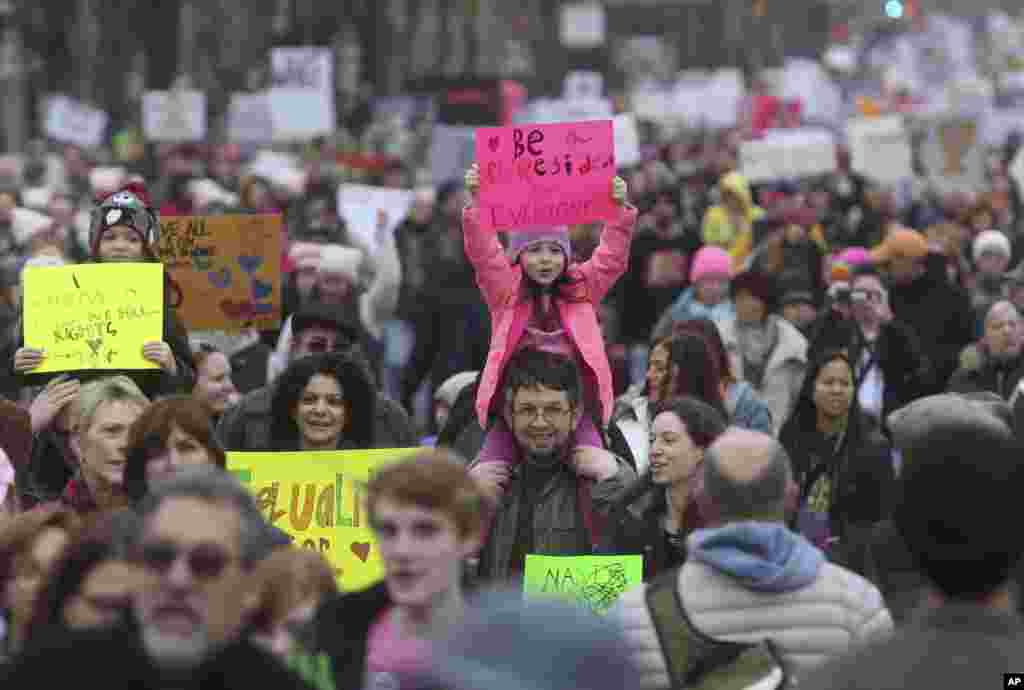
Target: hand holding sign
544, 175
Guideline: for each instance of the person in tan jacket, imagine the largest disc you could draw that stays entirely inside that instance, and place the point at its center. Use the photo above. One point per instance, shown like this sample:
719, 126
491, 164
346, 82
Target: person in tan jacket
750, 578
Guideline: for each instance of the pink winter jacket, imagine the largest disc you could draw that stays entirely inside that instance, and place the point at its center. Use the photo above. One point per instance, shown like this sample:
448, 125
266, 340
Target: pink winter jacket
500, 282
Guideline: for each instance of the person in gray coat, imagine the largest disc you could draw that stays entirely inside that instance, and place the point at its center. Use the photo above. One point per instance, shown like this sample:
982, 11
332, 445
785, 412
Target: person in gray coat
961, 475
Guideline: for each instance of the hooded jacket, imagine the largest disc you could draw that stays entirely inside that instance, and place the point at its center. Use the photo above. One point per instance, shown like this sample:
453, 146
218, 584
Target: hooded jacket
501, 283
750, 581
718, 228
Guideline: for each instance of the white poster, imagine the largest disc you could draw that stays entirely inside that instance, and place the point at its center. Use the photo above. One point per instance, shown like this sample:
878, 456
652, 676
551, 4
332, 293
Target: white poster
302, 93
880, 148
452, 151
249, 118
72, 122
583, 85
583, 25
174, 116
627, 140
725, 92
789, 154
549, 110
358, 206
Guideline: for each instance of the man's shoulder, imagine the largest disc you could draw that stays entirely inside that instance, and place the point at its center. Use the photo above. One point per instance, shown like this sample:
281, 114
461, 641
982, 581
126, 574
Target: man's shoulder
256, 401
77, 654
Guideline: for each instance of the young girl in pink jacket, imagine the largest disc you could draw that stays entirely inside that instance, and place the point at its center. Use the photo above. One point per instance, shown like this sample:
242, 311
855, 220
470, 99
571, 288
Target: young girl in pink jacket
539, 298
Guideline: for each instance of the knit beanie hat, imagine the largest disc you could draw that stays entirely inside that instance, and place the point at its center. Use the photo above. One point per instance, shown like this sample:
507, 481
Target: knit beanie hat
710, 261
759, 285
961, 470
129, 207
518, 240
336, 259
991, 241
854, 256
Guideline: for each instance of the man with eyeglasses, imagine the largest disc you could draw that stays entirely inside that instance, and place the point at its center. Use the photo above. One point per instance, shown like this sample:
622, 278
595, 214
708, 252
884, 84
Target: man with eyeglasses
201, 535
891, 369
995, 363
557, 496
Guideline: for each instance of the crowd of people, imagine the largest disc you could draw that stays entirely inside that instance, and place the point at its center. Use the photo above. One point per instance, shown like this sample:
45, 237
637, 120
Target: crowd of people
797, 401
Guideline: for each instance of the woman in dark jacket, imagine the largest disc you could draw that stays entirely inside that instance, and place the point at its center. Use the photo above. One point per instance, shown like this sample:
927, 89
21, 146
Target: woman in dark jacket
125, 228
322, 402
657, 513
841, 462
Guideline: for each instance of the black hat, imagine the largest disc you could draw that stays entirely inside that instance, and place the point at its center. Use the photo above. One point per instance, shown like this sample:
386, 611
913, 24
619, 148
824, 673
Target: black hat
760, 285
324, 316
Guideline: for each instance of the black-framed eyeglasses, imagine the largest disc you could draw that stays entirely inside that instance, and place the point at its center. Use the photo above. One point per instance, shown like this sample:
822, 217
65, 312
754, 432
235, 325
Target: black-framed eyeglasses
205, 561
551, 413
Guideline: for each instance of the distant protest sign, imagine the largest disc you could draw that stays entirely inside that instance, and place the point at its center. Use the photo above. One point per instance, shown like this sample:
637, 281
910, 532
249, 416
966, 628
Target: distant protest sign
880, 148
359, 204
73, 122
174, 116
249, 118
227, 267
544, 175
594, 582
94, 316
318, 499
789, 154
302, 92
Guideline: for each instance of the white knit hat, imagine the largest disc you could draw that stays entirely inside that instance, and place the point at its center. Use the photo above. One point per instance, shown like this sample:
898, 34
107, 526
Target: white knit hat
26, 224
107, 180
336, 259
991, 241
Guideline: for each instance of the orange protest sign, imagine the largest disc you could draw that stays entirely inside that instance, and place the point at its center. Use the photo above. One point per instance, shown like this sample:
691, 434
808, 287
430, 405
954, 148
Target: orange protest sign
228, 269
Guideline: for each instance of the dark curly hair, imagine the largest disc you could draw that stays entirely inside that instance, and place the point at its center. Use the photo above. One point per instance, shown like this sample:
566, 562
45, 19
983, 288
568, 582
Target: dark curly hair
356, 388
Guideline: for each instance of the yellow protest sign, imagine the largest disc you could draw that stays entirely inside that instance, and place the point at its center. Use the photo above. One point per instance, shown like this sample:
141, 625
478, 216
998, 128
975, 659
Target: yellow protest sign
594, 582
93, 316
317, 499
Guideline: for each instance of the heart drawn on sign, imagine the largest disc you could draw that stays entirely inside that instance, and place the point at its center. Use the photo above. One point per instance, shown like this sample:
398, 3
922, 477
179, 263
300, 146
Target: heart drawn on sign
236, 310
494, 143
261, 289
250, 264
221, 278
361, 549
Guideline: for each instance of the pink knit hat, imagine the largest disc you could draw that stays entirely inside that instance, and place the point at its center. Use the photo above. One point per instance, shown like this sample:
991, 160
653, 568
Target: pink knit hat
711, 261
519, 240
854, 256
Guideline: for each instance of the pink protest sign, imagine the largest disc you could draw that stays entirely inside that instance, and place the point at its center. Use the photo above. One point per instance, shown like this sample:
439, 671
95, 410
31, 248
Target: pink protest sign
545, 175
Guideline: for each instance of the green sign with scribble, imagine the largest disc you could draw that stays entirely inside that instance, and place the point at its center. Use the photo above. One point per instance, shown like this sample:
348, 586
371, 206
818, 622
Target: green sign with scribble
594, 582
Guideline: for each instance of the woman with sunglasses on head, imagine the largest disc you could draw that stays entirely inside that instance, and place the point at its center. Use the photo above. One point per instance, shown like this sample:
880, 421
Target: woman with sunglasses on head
125, 228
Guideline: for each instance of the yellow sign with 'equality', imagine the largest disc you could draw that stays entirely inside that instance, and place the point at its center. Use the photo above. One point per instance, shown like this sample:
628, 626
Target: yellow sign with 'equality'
93, 316
317, 499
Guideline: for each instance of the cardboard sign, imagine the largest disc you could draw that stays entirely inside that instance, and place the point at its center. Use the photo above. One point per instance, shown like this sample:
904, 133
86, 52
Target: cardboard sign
94, 316
880, 148
788, 154
317, 498
228, 269
358, 206
583, 25
594, 582
302, 93
174, 116
250, 119
953, 155
73, 122
544, 175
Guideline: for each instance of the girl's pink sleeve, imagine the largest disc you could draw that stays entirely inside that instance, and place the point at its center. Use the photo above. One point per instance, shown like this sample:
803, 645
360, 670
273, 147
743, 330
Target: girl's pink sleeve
494, 273
611, 258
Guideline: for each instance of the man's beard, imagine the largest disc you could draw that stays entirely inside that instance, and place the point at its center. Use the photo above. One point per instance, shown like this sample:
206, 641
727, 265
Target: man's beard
174, 653
547, 459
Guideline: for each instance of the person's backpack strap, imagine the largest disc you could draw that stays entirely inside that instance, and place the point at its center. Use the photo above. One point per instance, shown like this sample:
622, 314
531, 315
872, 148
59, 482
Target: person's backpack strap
697, 661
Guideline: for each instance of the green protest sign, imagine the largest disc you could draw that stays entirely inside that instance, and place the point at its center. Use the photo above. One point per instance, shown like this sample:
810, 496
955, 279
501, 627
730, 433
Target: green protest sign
594, 582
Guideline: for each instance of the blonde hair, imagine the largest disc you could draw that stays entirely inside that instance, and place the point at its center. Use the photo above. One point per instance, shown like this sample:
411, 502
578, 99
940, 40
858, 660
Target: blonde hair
95, 393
